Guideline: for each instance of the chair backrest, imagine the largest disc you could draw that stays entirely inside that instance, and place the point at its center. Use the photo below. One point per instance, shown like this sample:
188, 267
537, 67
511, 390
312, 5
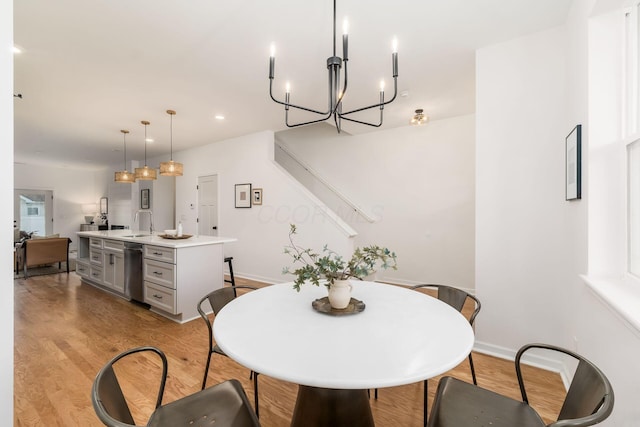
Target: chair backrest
455, 297
217, 300
589, 399
107, 397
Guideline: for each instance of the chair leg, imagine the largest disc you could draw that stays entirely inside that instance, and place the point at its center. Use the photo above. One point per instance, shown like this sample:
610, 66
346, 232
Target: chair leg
375, 393
426, 401
473, 371
206, 371
255, 393
231, 279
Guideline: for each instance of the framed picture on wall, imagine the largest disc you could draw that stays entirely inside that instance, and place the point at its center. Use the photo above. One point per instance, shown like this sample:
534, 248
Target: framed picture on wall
256, 194
573, 167
243, 195
145, 199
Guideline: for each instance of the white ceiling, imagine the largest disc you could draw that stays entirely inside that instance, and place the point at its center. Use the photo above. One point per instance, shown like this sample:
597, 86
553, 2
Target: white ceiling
89, 68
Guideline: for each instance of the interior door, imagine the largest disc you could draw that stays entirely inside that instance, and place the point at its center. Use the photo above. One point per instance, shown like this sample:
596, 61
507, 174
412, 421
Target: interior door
33, 211
208, 205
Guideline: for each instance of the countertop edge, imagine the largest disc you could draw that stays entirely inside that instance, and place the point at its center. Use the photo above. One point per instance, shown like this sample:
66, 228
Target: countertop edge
155, 239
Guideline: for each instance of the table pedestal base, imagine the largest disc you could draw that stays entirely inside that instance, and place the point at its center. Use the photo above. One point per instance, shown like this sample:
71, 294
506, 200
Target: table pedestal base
324, 407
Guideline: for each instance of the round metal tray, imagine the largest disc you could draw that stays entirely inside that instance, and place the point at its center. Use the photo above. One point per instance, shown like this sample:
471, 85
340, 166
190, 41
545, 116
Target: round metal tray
322, 305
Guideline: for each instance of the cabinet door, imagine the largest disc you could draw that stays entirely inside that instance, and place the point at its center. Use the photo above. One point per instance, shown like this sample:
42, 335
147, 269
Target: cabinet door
114, 270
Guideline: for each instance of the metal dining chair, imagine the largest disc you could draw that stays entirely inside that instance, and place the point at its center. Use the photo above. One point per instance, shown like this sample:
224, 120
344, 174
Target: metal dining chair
225, 404
456, 298
217, 300
588, 401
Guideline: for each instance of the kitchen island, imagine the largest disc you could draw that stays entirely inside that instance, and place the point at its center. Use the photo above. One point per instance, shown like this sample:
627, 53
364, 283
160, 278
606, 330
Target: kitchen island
175, 273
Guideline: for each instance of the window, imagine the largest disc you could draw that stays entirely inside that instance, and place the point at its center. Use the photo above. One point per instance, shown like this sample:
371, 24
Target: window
631, 134
633, 156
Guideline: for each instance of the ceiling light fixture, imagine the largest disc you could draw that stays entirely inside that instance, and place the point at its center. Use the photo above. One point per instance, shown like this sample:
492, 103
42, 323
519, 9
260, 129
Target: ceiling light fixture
124, 175
146, 173
419, 118
171, 168
334, 64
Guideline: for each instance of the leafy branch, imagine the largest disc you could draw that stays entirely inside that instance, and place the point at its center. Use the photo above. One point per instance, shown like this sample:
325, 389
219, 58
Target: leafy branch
330, 266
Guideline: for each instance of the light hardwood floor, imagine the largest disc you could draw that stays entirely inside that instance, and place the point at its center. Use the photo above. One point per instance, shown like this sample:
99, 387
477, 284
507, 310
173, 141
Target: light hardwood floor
65, 331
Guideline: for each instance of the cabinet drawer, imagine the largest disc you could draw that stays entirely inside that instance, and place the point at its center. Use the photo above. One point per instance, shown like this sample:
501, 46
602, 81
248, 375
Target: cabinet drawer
160, 253
161, 273
113, 245
95, 243
95, 256
95, 273
160, 297
82, 269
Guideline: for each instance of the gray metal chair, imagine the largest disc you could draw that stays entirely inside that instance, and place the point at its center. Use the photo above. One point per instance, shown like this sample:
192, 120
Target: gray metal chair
217, 300
225, 404
588, 401
456, 298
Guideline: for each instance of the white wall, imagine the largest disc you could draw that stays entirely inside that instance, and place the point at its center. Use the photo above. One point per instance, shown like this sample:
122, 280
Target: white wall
522, 257
532, 245
418, 183
6, 210
71, 189
262, 231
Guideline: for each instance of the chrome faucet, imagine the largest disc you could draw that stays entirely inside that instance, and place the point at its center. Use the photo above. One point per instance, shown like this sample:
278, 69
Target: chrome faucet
135, 218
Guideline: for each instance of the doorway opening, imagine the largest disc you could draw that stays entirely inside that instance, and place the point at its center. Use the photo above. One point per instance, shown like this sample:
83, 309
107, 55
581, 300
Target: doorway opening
33, 212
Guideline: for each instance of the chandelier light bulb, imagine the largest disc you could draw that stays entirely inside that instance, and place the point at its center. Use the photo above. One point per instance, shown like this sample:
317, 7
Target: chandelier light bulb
394, 45
287, 88
381, 85
345, 26
273, 50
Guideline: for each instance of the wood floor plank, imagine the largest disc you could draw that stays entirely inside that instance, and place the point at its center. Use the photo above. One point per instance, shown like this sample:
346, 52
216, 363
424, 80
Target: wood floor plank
66, 330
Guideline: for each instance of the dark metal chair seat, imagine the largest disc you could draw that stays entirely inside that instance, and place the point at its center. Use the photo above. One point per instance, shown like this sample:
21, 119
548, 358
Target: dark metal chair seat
500, 410
588, 401
225, 404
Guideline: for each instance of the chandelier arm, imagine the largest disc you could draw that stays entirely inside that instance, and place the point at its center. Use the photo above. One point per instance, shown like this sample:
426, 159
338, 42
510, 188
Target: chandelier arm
296, 106
379, 104
305, 123
364, 123
344, 90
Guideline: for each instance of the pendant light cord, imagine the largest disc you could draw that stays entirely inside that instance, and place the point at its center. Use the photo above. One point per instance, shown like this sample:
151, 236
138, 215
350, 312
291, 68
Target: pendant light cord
171, 132
145, 145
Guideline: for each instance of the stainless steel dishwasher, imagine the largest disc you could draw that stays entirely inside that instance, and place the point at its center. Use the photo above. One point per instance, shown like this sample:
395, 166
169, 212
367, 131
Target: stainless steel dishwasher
133, 271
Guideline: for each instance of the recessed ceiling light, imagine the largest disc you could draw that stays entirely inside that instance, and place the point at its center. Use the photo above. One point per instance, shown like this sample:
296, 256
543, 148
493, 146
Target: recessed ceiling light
150, 140
219, 117
16, 49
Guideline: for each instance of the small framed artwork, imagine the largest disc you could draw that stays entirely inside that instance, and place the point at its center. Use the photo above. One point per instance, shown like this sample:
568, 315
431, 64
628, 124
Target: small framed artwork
573, 167
145, 199
256, 196
243, 195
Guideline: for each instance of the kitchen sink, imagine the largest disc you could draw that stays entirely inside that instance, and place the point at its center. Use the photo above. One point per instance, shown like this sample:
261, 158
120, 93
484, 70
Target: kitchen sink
136, 235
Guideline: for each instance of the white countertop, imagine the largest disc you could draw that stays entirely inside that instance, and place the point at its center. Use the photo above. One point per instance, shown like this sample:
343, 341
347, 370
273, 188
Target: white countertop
144, 237
401, 337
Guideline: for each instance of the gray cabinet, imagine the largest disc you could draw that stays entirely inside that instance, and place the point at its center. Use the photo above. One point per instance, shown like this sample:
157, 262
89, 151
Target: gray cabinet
113, 264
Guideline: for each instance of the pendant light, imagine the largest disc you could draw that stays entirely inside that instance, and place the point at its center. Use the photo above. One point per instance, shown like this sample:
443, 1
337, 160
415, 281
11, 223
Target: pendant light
171, 168
124, 175
145, 173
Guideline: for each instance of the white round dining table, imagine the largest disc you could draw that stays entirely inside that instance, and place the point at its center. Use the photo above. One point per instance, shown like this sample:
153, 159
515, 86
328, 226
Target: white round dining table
402, 336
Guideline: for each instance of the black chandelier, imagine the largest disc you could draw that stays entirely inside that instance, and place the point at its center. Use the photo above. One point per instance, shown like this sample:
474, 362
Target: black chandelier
334, 64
